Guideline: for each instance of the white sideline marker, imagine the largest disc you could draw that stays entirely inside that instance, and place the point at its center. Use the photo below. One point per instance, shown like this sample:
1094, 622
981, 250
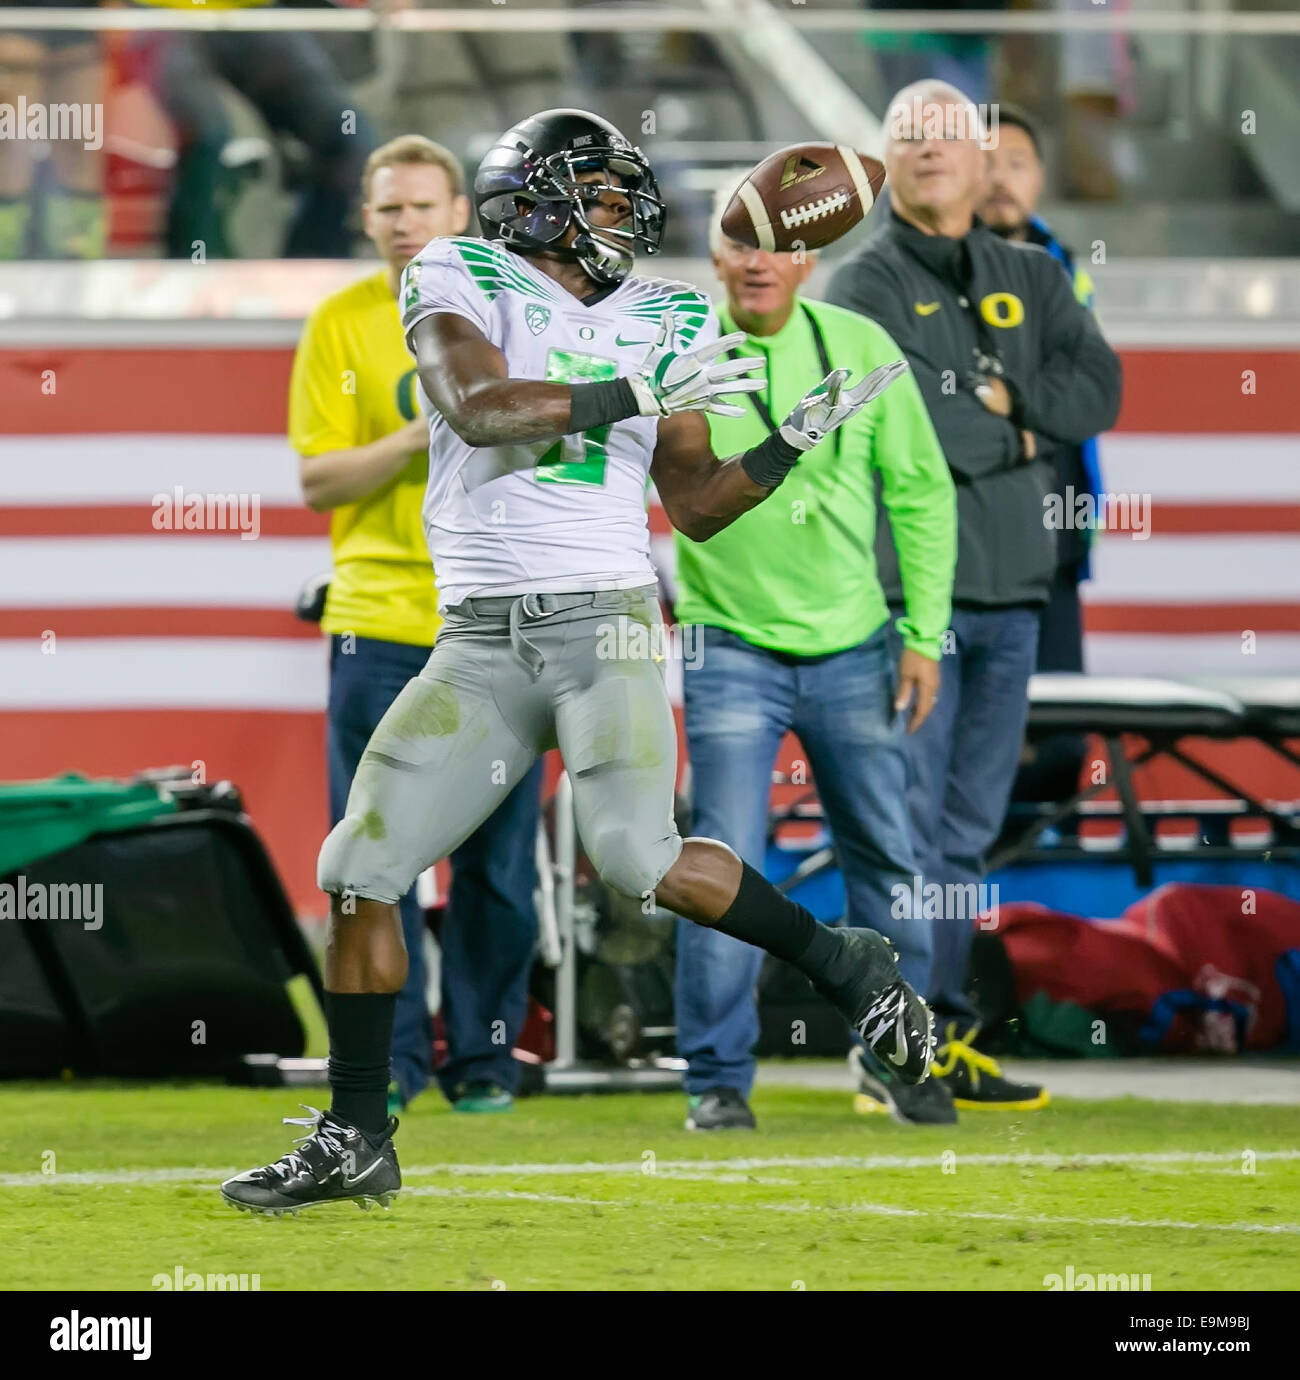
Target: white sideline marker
695, 1168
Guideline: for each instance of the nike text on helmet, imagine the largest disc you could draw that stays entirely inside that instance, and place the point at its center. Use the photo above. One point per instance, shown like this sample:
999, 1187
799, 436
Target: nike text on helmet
527, 193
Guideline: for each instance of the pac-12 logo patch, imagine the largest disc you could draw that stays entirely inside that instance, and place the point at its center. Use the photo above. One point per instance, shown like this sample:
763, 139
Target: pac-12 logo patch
411, 285
537, 317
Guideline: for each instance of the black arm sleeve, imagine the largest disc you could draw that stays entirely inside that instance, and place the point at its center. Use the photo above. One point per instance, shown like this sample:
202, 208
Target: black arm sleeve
768, 463
975, 441
1075, 391
595, 404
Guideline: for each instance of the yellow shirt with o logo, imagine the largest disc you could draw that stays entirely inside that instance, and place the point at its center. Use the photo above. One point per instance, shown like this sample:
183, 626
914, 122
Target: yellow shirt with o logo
354, 382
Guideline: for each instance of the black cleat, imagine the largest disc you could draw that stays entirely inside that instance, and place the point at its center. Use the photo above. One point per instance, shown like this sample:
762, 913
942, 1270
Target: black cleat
918, 1104
332, 1163
975, 1081
894, 1023
719, 1109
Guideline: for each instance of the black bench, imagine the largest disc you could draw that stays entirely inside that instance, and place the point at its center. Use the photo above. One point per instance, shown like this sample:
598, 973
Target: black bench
1165, 713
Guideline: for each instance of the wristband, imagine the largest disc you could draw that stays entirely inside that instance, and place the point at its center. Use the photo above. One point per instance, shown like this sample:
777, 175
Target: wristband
768, 463
598, 404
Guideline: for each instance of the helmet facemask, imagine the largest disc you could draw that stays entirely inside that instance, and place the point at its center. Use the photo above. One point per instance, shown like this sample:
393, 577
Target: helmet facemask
554, 199
607, 253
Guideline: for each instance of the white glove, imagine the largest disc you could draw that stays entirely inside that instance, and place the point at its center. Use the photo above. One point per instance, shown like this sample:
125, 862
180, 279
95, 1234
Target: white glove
670, 381
830, 405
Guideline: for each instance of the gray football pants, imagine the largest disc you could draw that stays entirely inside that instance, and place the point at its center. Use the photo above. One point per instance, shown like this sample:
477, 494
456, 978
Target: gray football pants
508, 679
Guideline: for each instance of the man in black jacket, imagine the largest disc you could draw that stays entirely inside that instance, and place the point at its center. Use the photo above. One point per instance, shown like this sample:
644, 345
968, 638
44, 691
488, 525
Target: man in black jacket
1009, 209
1010, 365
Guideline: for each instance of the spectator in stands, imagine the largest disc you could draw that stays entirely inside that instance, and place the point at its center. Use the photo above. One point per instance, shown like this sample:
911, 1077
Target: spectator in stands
962, 59
1011, 365
1009, 209
1095, 88
354, 420
296, 88
62, 216
792, 636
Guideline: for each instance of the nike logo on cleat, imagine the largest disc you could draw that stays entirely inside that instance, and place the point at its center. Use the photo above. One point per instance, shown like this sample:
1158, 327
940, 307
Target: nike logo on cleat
899, 1055
349, 1183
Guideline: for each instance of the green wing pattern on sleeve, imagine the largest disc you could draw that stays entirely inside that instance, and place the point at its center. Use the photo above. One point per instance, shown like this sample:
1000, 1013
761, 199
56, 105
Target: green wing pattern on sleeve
690, 308
494, 271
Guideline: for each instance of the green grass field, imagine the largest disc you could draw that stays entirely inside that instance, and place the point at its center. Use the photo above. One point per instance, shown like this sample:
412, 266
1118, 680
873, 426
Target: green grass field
105, 1186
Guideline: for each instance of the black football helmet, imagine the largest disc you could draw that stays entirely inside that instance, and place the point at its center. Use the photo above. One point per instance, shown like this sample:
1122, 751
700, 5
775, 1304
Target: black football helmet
527, 193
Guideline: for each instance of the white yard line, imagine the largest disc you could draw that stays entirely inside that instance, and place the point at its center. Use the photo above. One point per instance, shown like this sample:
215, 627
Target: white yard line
1039, 1219
106, 1178
506, 1195
732, 1172
699, 1168
871, 1209
1264, 1228
1026, 1160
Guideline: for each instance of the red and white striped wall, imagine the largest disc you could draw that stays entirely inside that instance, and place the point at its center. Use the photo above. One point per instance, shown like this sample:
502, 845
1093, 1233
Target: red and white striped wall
122, 646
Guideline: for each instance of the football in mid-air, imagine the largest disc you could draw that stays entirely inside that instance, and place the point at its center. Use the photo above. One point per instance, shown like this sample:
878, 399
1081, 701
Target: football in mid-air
805, 196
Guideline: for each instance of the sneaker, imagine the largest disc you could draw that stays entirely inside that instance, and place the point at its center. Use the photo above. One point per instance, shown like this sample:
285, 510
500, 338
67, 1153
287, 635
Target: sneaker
333, 1162
719, 1109
921, 1104
482, 1097
864, 984
976, 1082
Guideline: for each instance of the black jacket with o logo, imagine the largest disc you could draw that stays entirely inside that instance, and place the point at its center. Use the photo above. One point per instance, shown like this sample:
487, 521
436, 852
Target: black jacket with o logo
953, 306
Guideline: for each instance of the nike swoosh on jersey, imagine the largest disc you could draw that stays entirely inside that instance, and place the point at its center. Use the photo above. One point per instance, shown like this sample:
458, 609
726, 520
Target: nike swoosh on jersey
927, 308
618, 340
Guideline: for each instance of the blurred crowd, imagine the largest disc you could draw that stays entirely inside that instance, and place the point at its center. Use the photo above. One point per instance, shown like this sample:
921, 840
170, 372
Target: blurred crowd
202, 144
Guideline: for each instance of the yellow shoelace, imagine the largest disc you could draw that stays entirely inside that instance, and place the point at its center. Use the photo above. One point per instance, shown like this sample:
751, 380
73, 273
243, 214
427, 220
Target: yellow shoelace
955, 1048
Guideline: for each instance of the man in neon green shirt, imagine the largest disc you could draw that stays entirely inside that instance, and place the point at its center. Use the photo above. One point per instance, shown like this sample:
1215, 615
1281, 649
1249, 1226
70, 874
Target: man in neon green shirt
793, 637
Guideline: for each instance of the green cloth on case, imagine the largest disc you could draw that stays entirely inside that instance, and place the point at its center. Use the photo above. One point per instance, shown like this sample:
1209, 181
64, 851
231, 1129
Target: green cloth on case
40, 818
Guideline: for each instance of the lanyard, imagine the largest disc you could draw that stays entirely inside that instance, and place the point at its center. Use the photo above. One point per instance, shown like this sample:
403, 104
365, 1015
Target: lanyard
989, 349
819, 343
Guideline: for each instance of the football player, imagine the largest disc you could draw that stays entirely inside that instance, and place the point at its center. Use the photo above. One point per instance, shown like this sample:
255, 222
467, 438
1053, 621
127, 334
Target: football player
555, 382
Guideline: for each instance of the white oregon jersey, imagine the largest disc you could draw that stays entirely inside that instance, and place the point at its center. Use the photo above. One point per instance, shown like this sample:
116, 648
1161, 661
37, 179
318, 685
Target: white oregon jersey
563, 514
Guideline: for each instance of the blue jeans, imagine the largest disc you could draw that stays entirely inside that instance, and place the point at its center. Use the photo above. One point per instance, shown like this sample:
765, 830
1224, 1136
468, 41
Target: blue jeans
740, 702
963, 761
490, 926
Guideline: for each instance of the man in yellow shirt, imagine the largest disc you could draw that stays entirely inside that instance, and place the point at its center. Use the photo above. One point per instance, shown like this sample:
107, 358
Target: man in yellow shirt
354, 420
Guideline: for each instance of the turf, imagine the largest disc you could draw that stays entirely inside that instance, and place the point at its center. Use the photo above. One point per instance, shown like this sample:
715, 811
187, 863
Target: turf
611, 1193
